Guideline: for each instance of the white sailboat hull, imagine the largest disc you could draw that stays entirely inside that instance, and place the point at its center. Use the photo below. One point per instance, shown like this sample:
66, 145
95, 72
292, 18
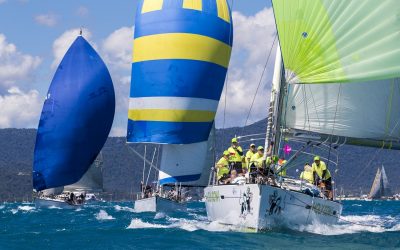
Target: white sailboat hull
260, 207
158, 204
58, 203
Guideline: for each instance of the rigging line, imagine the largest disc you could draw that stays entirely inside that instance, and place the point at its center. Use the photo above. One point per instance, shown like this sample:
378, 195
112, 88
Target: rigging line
144, 162
334, 123
306, 107
152, 160
259, 83
227, 81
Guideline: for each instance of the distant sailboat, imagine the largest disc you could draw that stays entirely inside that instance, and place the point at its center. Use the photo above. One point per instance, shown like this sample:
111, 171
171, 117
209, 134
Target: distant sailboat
181, 54
380, 188
74, 125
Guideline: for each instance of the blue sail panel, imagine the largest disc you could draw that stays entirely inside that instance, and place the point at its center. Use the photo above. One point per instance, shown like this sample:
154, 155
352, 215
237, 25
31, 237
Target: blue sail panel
181, 55
76, 118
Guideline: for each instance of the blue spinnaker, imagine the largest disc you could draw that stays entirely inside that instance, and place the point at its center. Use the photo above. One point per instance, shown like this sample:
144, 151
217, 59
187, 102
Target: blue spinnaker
76, 118
181, 55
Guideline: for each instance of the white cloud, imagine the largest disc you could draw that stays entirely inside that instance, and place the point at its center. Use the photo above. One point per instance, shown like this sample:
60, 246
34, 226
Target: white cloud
14, 65
20, 109
117, 48
253, 37
49, 20
82, 11
63, 42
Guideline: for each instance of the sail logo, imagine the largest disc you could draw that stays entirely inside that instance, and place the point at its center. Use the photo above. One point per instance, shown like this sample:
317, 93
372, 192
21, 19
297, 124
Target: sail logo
213, 196
245, 203
323, 209
275, 204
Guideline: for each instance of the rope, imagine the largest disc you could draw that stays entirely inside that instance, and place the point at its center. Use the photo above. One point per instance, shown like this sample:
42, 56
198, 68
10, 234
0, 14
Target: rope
334, 123
259, 83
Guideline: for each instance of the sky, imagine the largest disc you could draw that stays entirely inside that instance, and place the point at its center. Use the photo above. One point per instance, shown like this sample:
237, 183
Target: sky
34, 36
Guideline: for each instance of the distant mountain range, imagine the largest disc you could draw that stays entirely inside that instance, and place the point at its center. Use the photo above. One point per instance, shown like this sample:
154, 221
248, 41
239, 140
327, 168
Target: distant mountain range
123, 169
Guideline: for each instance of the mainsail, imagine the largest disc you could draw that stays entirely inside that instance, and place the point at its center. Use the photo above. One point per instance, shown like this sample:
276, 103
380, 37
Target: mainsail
76, 118
380, 187
92, 180
180, 59
342, 69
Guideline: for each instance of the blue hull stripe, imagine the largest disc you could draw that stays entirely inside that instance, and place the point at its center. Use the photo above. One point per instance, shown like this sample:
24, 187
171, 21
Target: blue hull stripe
168, 132
183, 178
178, 78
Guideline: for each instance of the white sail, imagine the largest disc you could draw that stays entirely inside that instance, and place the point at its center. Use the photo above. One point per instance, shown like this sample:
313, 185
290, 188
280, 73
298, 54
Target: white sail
186, 163
53, 191
376, 185
366, 111
385, 183
380, 187
91, 181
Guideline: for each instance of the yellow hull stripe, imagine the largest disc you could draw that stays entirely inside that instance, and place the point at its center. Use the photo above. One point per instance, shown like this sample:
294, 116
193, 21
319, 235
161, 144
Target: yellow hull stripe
193, 4
223, 10
152, 5
181, 46
171, 115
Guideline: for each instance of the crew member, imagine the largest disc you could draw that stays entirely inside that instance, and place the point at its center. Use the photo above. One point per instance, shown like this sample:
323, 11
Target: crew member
307, 174
280, 169
236, 156
223, 166
249, 154
257, 158
322, 176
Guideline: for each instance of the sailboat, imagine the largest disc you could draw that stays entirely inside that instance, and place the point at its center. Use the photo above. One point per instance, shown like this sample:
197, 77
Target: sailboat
380, 188
336, 70
75, 122
180, 59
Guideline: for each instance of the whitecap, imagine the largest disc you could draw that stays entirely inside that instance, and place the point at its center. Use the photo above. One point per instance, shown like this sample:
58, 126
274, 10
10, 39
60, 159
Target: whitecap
14, 211
2, 207
103, 215
354, 224
54, 207
159, 215
139, 224
125, 209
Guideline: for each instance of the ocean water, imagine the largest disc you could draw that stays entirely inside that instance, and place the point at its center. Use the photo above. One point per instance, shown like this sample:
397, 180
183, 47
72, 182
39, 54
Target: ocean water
105, 225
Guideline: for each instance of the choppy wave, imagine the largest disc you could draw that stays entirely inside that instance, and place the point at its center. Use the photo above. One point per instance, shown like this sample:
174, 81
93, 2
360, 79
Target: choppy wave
103, 215
125, 209
184, 224
352, 224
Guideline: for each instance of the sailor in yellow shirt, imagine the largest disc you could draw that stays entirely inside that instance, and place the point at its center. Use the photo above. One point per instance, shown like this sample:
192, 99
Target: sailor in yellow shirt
280, 169
321, 174
257, 158
223, 166
236, 156
249, 154
307, 174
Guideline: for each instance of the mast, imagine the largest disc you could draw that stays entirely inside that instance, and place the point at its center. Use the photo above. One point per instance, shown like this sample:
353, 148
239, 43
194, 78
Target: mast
273, 133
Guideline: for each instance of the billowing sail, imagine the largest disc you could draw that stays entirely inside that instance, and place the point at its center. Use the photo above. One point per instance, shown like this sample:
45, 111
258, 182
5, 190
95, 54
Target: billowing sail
365, 113
76, 118
180, 59
325, 41
188, 164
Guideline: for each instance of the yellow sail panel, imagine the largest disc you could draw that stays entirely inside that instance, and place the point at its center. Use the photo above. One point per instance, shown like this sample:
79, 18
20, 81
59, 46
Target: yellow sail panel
339, 41
223, 10
193, 4
152, 5
181, 46
171, 115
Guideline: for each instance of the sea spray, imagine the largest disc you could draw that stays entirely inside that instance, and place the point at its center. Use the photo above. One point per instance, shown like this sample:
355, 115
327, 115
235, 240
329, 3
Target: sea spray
103, 215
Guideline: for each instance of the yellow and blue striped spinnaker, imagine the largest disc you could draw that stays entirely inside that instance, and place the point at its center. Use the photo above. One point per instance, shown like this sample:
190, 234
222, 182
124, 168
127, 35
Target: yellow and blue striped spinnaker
181, 55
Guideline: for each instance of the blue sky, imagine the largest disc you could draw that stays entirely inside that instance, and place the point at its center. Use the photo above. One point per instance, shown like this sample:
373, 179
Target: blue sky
37, 32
